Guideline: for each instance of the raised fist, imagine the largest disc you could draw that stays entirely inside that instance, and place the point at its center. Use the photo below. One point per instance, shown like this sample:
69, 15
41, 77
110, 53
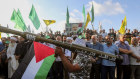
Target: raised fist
58, 51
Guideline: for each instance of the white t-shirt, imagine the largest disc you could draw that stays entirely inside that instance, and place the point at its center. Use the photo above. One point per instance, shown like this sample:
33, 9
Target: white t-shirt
64, 33
104, 35
136, 51
67, 52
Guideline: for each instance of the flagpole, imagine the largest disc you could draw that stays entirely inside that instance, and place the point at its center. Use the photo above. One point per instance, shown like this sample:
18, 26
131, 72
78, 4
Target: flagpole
92, 25
92, 17
41, 27
71, 47
47, 28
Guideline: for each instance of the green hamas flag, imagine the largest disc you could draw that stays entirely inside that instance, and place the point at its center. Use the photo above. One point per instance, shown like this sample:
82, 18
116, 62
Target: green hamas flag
67, 18
19, 22
92, 14
84, 16
34, 18
20, 16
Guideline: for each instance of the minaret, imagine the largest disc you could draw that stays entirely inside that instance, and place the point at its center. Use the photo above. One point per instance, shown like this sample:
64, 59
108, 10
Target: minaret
100, 26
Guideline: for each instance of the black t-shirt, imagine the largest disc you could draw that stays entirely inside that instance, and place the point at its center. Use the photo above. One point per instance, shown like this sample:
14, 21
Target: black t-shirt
112, 35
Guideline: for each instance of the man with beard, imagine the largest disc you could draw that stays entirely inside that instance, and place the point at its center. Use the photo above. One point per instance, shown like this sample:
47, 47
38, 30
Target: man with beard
96, 65
108, 66
123, 70
10, 56
57, 65
134, 63
21, 49
68, 54
88, 39
64, 38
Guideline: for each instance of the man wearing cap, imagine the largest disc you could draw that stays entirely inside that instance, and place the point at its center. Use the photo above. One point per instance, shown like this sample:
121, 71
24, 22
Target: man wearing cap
68, 55
10, 56
68, 52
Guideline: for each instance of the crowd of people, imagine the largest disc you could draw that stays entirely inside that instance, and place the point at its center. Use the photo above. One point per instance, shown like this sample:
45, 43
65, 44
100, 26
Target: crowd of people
72, 65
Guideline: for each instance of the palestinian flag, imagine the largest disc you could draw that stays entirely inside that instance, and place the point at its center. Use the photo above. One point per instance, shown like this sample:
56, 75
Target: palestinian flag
36, 63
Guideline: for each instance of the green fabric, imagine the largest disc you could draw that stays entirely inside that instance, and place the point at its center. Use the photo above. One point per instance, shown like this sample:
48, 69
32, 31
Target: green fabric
47, 37
7, 42
19, 23
45, 67
34, 18
84, 15
92, 14
67, 18
84, 35
80, 37
20, 16
14, 15
8, 34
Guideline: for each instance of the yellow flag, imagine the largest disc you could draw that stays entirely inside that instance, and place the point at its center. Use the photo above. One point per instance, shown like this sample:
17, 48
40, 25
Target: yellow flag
122, 28
88, 20
48, 22
0, 35
125, 21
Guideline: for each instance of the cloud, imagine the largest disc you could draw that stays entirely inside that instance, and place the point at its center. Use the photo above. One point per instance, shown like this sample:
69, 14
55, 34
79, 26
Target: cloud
106, 8
7, 7
75, 16
59, 26
106, 21
107, 24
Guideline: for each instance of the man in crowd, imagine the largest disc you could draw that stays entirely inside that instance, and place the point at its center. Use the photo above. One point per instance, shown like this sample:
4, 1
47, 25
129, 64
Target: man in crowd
112, 34
2, 50
88, 38
100, 39
10, 56
64, 33
104, 34
58, 66
134, 63
22, 48
68, 55
64, 38
125, 52
96, 65
109, 66
128, 36
81, 65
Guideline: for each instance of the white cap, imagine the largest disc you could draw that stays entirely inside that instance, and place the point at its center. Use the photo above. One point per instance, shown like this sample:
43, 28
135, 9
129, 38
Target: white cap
13, 38
69, 38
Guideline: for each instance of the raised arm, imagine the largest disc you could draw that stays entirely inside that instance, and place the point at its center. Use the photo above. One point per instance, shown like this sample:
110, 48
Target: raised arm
67, 65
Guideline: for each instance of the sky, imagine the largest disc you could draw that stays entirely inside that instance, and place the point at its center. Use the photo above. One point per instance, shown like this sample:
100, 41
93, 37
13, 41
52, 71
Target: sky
109, 12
